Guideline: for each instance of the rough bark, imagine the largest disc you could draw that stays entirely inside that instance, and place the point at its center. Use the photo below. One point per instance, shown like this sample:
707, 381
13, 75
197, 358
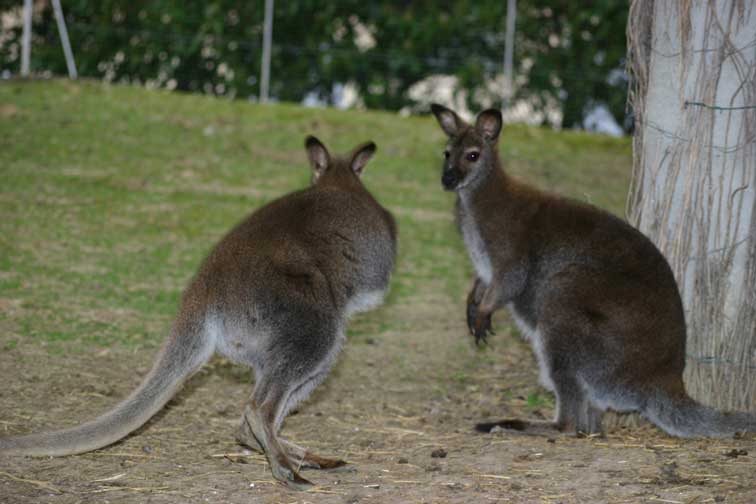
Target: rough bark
693, 64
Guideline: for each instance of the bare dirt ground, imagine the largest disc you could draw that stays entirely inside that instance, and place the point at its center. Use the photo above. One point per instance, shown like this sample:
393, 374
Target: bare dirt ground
399, 407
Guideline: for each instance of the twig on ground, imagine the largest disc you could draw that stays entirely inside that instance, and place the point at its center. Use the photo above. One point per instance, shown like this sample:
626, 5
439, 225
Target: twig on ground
41, 484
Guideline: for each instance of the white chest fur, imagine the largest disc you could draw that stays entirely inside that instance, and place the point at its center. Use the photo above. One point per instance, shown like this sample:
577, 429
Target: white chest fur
476, 248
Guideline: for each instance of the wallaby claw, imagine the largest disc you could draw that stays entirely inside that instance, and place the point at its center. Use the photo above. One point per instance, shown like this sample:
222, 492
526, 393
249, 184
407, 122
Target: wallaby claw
472, 313
300, 484
472, 307
291, 478
482, 328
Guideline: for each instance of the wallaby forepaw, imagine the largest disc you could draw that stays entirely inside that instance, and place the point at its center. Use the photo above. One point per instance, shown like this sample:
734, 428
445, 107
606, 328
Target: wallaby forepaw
473, 302
482, 328
472, 314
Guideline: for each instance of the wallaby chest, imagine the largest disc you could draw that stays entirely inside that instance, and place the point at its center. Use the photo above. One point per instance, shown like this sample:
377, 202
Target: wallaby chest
475, 243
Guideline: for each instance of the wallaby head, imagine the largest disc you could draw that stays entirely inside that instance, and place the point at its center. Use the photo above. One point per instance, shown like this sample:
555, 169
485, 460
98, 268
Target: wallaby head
471, 153
335, 170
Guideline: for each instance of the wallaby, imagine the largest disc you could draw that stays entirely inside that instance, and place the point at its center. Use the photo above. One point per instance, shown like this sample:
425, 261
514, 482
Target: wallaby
274, 294
595, 298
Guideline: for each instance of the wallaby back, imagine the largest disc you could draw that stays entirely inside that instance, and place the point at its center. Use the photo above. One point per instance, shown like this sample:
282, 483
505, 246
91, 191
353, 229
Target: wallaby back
320, 246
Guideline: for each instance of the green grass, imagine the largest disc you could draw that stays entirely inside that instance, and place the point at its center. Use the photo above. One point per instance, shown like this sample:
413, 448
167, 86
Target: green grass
537, 401
110, 196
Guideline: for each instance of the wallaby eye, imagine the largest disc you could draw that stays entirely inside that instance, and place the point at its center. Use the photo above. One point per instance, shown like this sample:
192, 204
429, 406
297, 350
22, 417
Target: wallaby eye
446, 154
472, 156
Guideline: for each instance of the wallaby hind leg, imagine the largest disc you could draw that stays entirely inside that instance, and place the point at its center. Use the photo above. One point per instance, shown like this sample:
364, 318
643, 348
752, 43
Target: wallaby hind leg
302, 457
245, 436
309, 460
590, 420
574, 414
574, 411
579, 417
298, 358
298, 456
260, 416
305, 458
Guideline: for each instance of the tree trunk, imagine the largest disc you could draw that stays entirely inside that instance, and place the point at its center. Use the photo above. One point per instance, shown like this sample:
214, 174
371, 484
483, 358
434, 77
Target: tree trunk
693, 64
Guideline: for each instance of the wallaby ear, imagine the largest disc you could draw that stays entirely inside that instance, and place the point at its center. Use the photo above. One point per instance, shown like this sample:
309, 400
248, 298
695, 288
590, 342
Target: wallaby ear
489, 123
447, 119
361, 156
317, 154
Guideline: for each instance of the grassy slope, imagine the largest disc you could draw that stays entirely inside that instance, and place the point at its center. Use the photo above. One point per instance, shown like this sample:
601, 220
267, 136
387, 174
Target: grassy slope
110, 196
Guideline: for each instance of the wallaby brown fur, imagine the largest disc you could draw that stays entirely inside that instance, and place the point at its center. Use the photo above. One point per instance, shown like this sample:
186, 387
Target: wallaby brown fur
595, 298
274, 294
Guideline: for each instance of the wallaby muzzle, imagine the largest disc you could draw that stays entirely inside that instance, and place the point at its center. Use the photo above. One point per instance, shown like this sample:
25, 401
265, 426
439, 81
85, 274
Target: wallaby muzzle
450, 179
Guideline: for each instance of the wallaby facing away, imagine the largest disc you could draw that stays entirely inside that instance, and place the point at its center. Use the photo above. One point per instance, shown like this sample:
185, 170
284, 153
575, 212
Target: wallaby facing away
595, 297
274, 294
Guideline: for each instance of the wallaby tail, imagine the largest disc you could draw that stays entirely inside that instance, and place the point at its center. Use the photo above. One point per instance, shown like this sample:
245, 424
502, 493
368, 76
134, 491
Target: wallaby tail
180, 357
680, 415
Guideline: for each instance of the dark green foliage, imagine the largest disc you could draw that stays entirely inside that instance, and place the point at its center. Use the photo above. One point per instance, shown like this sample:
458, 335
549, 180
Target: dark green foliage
584, 61
564, 51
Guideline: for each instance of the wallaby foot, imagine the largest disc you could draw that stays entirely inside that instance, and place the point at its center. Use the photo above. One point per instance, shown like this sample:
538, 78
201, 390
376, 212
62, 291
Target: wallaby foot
245, 437
575, 415
258, 435
298, 456
315, 461
575, 412
524, 426
286, 380
589, 422
289, 477
308, 460
305, 459
536, 427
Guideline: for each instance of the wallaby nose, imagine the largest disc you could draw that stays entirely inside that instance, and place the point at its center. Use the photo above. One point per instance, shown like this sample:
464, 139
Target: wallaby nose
449, 180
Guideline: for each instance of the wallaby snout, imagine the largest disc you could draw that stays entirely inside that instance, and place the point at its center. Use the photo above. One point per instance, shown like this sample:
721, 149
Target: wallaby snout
450, 178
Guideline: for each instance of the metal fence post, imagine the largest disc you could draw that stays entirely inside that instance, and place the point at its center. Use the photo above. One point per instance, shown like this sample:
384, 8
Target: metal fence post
509, 52
267, 40
26, 39
63, 31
